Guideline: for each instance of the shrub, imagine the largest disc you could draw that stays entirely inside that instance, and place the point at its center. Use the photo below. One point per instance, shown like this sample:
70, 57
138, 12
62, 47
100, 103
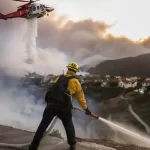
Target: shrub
56, 133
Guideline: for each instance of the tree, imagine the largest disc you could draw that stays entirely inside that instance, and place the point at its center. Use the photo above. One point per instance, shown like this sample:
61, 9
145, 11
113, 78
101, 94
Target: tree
113, 83
56, 133
139, 84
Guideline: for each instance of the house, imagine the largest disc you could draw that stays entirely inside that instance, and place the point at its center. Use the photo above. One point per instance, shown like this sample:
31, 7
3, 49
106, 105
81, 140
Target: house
105, 83
107, 76
146, 83
97, 81
127, 84
33, 75
118, 77
132, 78
147, 79
81, 78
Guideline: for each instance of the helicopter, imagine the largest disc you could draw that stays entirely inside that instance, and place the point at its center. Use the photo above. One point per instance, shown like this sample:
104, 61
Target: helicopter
29, 10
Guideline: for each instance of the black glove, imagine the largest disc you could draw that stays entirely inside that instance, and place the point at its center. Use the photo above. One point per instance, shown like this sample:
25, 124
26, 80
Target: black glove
87, 112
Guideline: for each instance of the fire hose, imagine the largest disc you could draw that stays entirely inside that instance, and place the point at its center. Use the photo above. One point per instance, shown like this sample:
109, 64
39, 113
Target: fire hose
80, 109
20, 146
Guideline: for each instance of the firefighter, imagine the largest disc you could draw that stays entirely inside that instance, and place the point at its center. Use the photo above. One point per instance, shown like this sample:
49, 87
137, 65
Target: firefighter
62, 110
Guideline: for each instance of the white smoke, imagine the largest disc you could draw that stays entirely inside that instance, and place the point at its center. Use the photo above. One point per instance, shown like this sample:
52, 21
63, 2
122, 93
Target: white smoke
19, 55
94, 60
18, 46
20, 107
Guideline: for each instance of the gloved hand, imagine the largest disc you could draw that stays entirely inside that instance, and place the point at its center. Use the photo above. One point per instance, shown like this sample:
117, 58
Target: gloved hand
88, 112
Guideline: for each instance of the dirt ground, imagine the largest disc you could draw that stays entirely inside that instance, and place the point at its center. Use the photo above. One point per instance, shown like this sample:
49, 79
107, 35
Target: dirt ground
16, 136
112, 144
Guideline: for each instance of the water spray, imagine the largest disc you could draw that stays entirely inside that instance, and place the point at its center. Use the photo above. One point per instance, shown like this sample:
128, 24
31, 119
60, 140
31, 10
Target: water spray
140, 138
139, 119
31, 35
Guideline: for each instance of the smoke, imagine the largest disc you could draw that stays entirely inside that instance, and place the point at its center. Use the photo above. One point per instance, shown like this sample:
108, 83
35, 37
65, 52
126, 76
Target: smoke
19, 108
18, 45
23, 108
146, 42
85, 39
84, 124
79, 41
93, 60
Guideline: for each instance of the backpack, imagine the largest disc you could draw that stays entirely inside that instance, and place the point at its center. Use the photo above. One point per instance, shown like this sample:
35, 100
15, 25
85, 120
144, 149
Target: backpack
58, 94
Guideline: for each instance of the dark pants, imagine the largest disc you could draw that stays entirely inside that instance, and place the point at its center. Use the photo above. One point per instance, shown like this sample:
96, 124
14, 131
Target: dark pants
48, 115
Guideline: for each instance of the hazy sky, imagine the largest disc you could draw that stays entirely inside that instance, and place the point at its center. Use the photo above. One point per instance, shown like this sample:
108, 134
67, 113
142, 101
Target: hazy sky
131, 17
82, 38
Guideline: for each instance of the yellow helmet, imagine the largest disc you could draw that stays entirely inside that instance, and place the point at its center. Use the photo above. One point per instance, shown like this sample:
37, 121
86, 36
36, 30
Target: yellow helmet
74, 66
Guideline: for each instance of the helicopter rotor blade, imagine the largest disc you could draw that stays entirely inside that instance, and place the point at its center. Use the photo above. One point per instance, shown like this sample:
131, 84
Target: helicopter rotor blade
30, 1
21, 0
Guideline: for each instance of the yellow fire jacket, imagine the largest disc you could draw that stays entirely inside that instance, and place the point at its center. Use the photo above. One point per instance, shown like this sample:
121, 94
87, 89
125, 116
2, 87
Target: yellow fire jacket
75, 88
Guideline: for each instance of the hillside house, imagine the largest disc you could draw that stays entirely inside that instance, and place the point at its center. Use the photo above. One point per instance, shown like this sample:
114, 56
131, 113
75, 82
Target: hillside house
118, 77
132, 78
105, 83
127, 84
146, 83
33, 75
147, 79
81, 78
107, 76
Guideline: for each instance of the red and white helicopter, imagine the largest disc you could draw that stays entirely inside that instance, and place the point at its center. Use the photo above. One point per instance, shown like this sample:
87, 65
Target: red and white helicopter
29, 10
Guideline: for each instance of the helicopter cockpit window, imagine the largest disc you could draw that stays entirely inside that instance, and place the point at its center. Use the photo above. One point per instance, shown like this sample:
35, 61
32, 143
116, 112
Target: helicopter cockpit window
33, 8
41, 6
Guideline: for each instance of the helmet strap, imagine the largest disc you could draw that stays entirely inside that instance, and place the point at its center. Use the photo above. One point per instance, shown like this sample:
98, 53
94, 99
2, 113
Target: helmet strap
72, 70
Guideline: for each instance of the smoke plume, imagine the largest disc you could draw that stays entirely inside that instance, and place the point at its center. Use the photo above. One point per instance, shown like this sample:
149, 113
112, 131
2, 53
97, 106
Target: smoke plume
85, 39
79, 41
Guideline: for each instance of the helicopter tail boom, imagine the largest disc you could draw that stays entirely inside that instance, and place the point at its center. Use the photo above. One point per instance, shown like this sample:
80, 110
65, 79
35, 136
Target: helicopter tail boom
2, 16
29, 1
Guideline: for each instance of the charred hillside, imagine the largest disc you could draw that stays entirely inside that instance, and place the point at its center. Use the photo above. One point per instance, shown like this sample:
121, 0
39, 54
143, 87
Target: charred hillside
130, 66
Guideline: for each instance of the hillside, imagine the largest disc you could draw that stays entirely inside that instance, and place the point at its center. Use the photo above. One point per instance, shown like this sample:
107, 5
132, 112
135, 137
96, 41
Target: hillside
130, 66
115, 107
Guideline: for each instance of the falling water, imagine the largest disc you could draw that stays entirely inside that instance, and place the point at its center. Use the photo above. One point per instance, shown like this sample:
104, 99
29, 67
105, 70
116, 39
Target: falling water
30, 40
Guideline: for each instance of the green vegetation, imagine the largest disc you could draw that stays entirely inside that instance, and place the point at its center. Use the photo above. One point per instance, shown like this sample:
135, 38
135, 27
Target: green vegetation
103, 93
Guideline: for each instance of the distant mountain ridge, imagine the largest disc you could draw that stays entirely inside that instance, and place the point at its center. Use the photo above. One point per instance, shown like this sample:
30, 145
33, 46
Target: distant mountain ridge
130, 66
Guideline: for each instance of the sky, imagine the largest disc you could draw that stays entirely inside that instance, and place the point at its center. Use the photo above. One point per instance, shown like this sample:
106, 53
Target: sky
129, 17
87, 32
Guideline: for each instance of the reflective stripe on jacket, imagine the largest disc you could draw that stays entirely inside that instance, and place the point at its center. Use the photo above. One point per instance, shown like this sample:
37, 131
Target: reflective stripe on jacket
75, 88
